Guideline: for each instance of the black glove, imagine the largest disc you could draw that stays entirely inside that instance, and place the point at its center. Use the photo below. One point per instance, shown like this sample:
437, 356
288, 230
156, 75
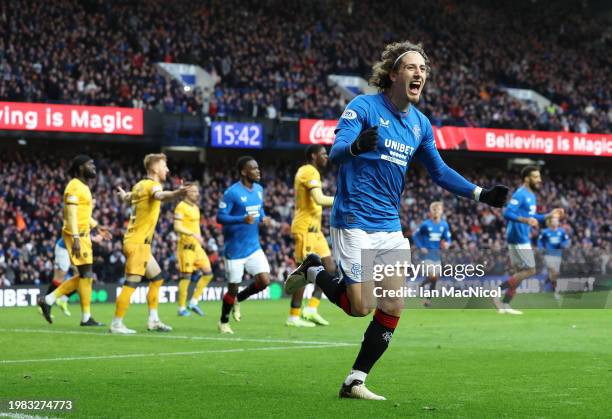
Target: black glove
495, 196
366, 141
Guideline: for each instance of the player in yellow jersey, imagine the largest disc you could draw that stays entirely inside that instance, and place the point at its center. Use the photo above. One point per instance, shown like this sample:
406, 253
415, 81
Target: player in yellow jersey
76, 232
191, 255
146, 198
306, 230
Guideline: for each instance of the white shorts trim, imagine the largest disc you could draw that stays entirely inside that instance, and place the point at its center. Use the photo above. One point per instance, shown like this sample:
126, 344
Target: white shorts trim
254, 264
61, 259
521, 256
347, 245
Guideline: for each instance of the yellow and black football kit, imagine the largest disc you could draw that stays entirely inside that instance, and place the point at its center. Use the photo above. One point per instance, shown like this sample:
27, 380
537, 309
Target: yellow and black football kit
139, 235
78, 193
306, 225
190, 254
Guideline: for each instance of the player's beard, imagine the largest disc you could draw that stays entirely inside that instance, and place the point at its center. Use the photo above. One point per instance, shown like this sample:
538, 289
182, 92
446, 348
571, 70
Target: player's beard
534, 186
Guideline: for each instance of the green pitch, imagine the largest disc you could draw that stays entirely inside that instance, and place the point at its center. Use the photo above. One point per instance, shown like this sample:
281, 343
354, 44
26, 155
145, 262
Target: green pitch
441, 363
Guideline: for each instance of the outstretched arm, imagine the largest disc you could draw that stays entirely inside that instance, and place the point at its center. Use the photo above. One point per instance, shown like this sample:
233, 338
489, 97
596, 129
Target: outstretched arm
165, 196
452, 181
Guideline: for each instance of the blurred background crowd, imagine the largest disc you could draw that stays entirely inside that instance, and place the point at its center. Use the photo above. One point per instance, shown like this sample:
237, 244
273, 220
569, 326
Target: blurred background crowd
271, 58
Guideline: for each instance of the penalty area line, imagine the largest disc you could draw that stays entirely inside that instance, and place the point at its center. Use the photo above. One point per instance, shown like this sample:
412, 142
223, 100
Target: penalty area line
162, 354
171, 336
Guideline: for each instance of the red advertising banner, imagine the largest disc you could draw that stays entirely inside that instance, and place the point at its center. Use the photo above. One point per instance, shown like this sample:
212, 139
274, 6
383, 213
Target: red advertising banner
70, 118
523, 141
321, 131
317, 131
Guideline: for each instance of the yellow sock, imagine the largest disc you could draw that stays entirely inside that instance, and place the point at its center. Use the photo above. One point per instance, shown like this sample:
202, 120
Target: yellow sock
182, 294
313, 302
67, 287
294, 312
202, 283
153, 294
85, 285
123, 301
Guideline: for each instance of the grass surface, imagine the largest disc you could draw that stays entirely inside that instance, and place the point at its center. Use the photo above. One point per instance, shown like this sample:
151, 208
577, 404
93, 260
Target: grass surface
441, 363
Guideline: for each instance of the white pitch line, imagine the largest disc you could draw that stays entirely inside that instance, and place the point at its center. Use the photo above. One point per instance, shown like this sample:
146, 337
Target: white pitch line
22, 416
122, 356
166, 336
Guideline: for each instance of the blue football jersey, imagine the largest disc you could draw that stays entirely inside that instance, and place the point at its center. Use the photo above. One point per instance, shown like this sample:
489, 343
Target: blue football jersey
430, 234
60, 242
553, 241
370, 185
241, 239
522, 204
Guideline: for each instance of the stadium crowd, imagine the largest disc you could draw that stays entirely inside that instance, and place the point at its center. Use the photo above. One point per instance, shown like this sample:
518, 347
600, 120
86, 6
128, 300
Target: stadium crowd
31, 191
271, 58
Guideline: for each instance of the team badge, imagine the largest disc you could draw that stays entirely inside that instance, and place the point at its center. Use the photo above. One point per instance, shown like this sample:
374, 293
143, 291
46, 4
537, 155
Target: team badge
416, 130
349, 114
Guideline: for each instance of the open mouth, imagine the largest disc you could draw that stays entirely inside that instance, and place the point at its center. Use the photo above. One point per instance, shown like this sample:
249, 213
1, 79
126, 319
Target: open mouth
414, 87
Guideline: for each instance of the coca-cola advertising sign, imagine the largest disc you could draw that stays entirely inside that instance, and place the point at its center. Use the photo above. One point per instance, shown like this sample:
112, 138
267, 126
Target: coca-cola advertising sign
317, 131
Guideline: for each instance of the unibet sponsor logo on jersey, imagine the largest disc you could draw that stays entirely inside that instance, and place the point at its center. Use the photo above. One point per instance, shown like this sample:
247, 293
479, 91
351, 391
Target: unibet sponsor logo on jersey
434, 237
253, 210
398, 152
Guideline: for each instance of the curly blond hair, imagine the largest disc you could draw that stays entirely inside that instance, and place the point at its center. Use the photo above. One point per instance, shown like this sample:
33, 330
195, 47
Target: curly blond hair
382, 69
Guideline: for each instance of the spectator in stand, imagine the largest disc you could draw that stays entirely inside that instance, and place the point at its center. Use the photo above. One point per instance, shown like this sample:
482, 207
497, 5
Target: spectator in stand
277, 55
